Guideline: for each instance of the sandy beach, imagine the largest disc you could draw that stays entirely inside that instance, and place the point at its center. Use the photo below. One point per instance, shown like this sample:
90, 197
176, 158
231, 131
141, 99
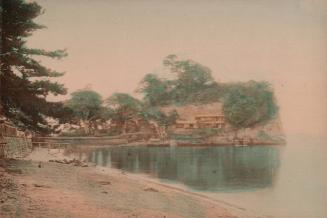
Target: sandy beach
39, 188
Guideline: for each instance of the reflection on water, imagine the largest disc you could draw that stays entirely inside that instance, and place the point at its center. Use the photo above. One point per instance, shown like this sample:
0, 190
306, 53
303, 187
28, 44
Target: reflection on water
288, 181
203, 168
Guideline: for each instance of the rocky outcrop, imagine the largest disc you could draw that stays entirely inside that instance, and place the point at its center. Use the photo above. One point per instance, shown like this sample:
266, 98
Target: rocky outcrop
268, 133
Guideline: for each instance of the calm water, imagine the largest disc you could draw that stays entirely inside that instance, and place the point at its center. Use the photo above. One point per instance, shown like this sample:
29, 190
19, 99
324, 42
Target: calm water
283, 181
216, 169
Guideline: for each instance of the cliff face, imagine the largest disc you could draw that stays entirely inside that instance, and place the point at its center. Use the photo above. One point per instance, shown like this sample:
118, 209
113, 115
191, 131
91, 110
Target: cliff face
186, 125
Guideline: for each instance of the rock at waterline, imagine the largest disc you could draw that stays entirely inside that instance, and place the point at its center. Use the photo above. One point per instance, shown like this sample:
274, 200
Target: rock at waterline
74, 162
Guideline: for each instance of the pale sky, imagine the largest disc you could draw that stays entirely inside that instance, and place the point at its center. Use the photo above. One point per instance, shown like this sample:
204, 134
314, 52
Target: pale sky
112, 44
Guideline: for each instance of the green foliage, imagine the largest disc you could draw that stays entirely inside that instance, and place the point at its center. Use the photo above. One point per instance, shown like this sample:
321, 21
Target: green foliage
262, 135
192, 79
85, 104
196, 135
24, 82
245, 104
206, 132
248, 104
161, 118
208, 94
155, 90
193, 84
186, 137
122, 107
123, 101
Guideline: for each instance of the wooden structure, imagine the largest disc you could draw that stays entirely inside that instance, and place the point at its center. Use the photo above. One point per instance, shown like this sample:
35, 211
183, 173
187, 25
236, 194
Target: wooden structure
210, 121
202, 121
50, 145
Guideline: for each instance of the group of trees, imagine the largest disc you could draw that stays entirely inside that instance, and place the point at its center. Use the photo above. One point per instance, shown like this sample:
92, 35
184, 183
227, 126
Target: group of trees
245, 104
87, 105
193, 83
249, 104
25, 85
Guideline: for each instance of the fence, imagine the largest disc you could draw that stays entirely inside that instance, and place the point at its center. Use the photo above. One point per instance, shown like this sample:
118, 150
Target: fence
13, 143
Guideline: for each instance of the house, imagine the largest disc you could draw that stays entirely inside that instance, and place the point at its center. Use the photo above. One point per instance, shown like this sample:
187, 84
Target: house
210, 121
198, 116
202, 121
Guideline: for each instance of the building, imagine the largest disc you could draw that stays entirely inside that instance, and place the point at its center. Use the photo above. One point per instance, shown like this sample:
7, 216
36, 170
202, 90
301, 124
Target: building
202, 121
210, 121
198, 116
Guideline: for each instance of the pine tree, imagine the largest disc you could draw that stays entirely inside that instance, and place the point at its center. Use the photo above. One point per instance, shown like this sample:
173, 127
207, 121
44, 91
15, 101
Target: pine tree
24, 82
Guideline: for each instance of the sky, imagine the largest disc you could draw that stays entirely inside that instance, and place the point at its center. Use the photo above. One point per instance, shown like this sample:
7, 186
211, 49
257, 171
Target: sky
112, 44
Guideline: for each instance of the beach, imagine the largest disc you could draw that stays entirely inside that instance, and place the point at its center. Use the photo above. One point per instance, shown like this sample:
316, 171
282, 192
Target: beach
39, 188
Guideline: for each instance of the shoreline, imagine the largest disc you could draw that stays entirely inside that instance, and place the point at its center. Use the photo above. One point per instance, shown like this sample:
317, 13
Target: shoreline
74, 191
166, 143
234, 209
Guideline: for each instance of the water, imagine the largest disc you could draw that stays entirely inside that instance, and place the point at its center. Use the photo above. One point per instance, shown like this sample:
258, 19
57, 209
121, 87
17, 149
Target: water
207, 169
280, 181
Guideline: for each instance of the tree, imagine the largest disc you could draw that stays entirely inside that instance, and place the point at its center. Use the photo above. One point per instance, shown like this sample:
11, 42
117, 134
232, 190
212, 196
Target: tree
122, 108
194, 84
85, 104
192, 79
24, 82
249, 104
159, 119
155, 90
155, 114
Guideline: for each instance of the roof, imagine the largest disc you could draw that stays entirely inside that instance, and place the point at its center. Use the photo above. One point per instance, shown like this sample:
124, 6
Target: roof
189, 112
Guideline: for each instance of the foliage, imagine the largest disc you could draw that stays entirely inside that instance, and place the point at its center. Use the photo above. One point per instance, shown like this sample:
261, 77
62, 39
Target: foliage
193, 84
24, 82
208, 94
248, 104
155, 90
245, 104
192, 79
206, 132
122, 107
157, 115
122, 100
262, 135
85, 104
186, 137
